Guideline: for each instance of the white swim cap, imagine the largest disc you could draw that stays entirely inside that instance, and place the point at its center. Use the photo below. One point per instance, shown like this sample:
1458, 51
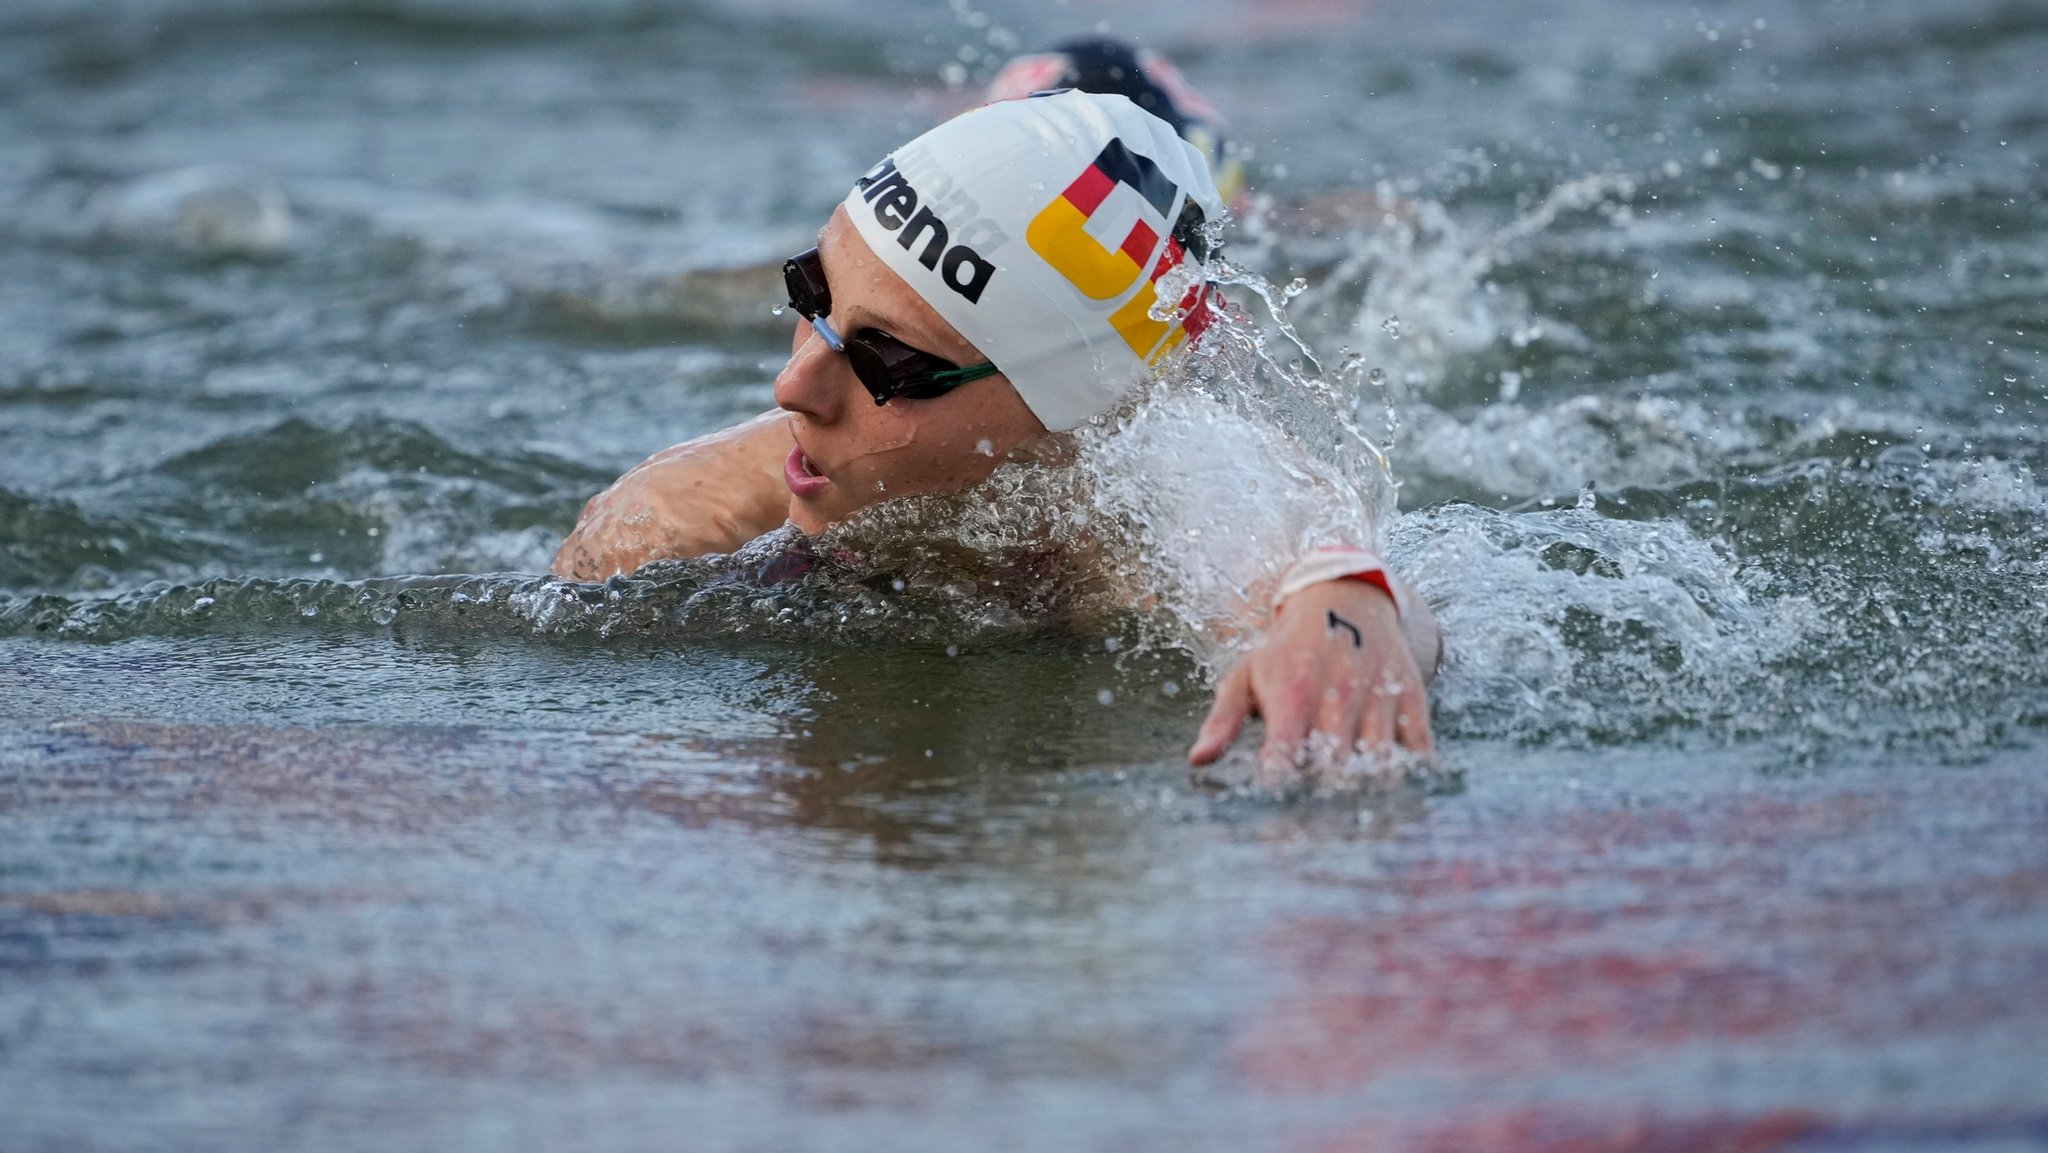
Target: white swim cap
1039, 229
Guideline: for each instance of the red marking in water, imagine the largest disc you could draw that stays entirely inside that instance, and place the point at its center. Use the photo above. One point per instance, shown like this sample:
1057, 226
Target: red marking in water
1548, 1129
1734, 923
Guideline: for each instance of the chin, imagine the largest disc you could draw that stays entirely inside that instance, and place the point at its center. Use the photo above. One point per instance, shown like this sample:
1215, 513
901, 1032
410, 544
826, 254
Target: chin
808, 520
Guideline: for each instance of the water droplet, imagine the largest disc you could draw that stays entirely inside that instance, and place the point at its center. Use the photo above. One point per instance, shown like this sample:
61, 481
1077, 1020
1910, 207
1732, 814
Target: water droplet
1169, 688
1586, 498
1105, 697
952, 650
1111, 644
778, 310
1392, 327
985, 447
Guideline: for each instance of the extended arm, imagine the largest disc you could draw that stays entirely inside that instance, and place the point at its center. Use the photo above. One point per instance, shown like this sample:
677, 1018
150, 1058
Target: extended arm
708, 495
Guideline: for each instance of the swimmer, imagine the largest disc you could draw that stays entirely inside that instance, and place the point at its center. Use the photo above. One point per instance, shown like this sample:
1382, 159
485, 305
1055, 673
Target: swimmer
957, 314
1107, 65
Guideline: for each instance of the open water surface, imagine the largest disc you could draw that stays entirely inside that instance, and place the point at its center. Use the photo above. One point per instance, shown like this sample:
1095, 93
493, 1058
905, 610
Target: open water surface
1713, 341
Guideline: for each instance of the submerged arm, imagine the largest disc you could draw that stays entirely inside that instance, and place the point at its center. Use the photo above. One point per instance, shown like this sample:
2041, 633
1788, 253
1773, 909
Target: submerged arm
708, 495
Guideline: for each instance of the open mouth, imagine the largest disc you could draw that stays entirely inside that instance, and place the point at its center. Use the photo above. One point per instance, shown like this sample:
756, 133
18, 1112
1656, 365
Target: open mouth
802, 475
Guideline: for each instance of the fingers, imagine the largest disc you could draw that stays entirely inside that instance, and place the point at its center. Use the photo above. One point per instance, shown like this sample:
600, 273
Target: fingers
1337, 726
1288, 716
1412, 723
1226, 717
1396, 726
1349, 727
1376, 728
1392, 727
1334, 724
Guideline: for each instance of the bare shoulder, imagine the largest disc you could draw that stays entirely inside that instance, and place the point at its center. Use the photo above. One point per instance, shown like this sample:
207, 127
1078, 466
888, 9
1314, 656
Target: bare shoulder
706, 495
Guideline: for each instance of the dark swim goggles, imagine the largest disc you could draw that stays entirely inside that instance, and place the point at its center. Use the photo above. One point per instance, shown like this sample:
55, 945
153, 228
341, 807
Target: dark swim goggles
886, 366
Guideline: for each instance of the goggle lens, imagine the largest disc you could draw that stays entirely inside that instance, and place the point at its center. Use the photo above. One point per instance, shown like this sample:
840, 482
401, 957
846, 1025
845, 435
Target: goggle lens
804, 276
884, 365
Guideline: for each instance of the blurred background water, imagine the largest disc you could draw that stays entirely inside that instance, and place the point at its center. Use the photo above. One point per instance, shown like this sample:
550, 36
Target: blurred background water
1714, 339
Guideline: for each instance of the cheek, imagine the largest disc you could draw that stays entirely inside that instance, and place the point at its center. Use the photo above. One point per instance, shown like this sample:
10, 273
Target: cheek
877, 431
928, 462
924, 451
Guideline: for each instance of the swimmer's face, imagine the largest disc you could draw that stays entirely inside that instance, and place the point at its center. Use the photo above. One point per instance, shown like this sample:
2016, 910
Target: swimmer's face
852, 452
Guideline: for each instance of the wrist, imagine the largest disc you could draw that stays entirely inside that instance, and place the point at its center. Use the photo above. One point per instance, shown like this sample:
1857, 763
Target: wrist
1338, 566
1343, 592
1359, 581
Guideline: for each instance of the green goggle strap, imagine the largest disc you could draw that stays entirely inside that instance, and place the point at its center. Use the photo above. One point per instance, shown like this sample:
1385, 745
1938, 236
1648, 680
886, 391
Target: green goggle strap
952, 376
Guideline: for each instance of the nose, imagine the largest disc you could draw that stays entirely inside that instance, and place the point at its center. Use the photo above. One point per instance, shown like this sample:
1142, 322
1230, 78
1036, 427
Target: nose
814, 381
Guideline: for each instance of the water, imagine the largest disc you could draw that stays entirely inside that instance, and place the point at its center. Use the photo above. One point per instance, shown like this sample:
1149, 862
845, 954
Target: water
1708, 343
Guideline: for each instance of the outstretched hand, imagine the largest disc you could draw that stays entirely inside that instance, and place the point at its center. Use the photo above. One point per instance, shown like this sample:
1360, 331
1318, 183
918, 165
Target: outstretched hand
1336, 683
